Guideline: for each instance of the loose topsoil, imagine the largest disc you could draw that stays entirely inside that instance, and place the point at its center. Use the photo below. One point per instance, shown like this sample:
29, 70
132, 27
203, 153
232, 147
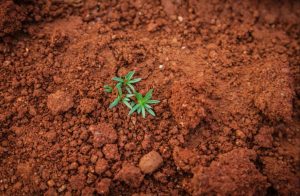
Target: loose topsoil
226, 72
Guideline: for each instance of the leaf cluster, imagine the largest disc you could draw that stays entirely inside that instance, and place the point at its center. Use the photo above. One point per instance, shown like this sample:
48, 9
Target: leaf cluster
134, 100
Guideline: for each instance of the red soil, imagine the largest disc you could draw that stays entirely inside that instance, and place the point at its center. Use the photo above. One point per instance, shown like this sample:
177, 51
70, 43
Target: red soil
226, 72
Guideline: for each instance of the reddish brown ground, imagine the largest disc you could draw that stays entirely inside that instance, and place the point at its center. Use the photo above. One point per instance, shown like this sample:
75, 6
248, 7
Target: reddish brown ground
226, 72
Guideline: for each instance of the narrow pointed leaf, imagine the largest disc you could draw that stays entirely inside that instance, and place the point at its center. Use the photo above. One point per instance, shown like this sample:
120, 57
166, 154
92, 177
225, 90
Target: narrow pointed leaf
150, 111
127, 104
134, 80
143, 112
139, 96
129, 95
118, 79
139, 110
119, 85
152, 101
148, 106
133, 109
107, 88
149, 94
131, 86
114, 103
129, 75
119, 88
128, 90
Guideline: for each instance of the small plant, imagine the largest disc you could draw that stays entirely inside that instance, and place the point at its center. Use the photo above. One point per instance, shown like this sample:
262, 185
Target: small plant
127, 81
143, 104
132, 99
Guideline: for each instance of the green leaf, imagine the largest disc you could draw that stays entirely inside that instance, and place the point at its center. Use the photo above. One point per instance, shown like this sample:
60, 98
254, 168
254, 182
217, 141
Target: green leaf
131, 86
129, 95
150, 111
139, 110
149, 94
133, 109
107, 88
119, 85
114, 103
129, 75
118, 79
119, 88
126, 99
127, 104
134, 80
128, 90
138, 96
143, 112
148, 106
152, 101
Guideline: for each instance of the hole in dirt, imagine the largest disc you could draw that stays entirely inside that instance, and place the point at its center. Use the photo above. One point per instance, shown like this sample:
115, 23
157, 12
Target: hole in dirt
271, 191
259, 164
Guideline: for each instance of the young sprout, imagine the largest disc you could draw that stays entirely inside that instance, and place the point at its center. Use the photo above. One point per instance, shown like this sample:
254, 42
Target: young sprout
127, 81
143, 104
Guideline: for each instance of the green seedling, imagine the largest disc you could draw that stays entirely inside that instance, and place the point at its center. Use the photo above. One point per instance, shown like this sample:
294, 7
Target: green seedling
127, 81
143, 104
138, 104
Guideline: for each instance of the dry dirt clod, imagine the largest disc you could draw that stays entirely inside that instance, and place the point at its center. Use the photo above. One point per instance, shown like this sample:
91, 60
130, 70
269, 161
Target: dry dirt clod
187, 105
77, 182
51, 183
88, 191
25, 170
2, 150
180, 18
51, 192
150, 162
111, 152
232, 171
131, 175
87, 105
103, 185
264, 138
101, 166
74, 165
62, 188
184, 158
51, 136
151, 27
59, 102
12, 16
103, 134
277, 172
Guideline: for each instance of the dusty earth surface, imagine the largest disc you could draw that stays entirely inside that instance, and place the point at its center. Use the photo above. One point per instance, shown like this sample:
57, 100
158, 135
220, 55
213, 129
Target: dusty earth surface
226, 72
